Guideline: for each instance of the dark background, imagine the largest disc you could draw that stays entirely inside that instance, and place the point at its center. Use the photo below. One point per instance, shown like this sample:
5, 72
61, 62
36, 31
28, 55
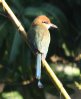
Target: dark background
17, 63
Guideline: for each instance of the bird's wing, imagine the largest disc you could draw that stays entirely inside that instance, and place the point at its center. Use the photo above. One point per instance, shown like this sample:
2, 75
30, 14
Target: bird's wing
31, 38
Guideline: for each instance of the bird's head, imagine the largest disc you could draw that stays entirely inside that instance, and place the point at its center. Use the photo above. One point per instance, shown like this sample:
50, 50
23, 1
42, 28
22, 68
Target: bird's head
43, 20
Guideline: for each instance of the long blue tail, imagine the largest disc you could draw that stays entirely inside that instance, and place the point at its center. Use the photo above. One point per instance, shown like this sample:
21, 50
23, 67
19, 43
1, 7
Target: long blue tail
38, 66
38, 70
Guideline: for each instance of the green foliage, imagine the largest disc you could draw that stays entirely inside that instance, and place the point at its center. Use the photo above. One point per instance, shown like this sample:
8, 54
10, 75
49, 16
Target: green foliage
12, 95
15, 47
16, 61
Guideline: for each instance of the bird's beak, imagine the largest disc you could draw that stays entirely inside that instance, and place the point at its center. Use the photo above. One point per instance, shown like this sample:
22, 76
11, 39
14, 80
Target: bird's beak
53, 25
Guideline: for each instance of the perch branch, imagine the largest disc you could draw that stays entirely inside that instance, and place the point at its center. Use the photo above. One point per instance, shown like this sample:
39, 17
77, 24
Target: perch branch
45, 64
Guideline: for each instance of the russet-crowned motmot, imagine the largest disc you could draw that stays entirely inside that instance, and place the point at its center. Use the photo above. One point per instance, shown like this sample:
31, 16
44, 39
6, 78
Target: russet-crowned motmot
39, 38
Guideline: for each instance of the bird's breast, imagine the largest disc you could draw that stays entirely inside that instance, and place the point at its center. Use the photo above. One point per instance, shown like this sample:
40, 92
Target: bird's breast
40, 38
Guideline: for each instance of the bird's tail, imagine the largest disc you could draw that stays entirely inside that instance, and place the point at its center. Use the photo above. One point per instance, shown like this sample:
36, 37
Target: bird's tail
38, 69
38, 66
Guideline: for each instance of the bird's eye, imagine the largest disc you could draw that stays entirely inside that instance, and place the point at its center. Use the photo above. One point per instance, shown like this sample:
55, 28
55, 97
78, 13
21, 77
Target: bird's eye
45, 22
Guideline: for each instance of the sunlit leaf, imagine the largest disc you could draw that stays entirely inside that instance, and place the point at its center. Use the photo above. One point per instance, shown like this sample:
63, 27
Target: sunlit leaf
12, 95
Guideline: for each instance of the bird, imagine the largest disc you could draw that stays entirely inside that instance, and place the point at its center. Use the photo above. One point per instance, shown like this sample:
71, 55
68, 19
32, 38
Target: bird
39, 39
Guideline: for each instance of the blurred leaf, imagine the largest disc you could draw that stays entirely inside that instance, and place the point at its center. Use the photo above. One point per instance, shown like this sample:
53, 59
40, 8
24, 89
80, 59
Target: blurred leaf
17, 3
3, 32
33, 11
12, 95
15, 49
26, 63
66, 49
26, 22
